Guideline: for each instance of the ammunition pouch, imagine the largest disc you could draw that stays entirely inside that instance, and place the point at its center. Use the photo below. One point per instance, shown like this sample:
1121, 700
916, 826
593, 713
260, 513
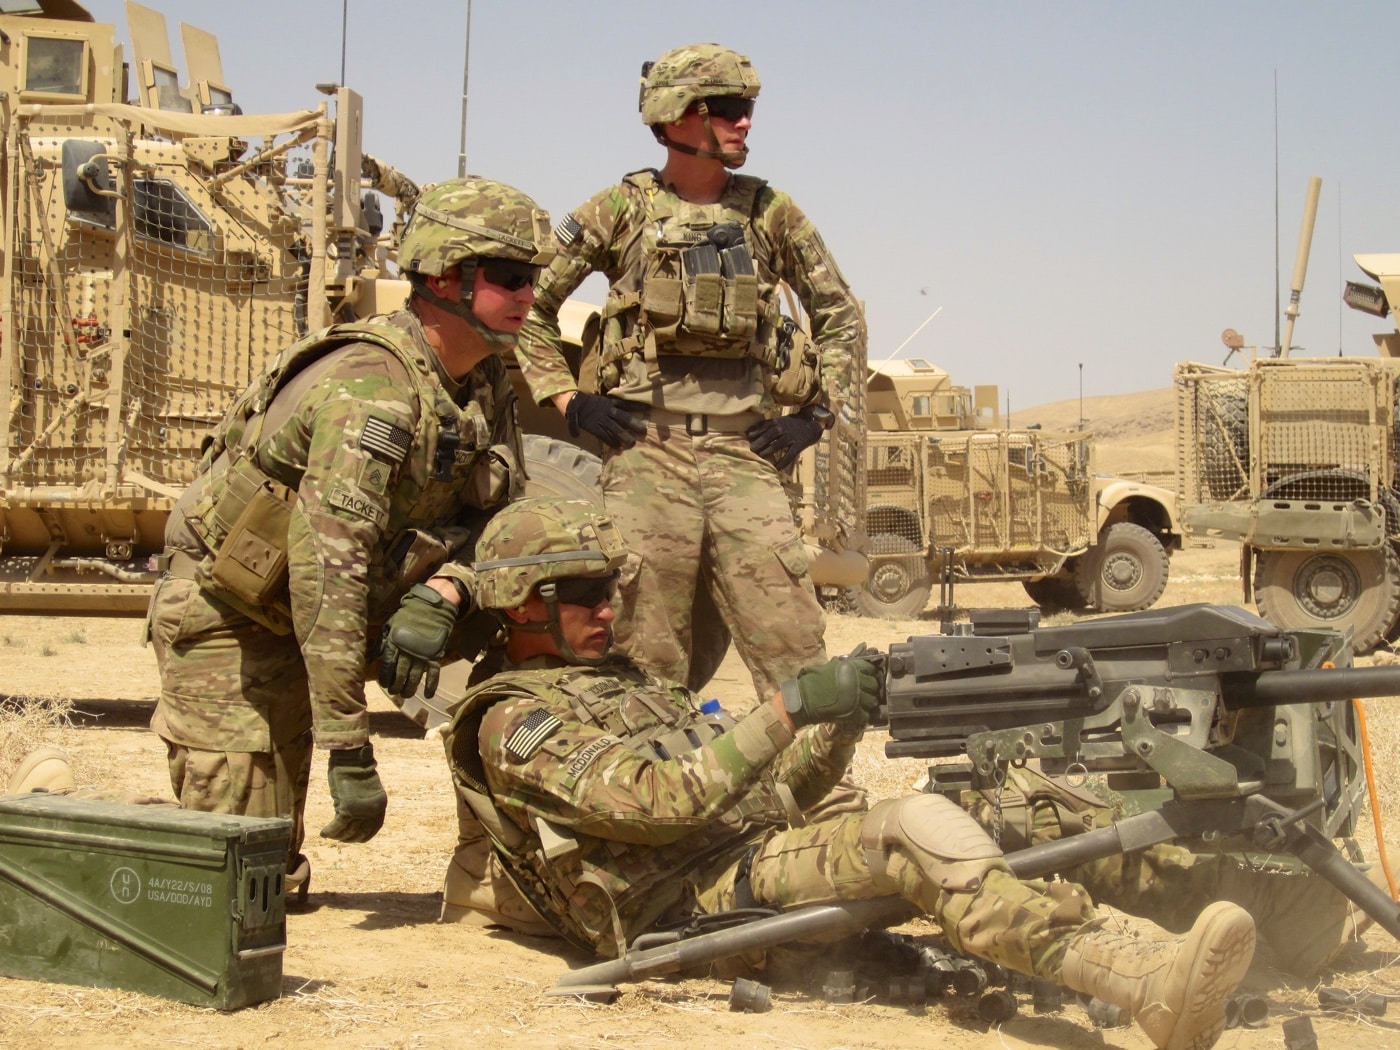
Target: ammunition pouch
249, 536
797, 364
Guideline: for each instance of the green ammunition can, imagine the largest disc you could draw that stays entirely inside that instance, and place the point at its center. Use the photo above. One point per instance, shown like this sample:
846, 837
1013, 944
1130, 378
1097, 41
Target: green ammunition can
152, 899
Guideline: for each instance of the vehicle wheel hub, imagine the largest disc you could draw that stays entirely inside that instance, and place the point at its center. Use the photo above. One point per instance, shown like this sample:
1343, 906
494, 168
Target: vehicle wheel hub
1122, 571
1327, 588
890, 582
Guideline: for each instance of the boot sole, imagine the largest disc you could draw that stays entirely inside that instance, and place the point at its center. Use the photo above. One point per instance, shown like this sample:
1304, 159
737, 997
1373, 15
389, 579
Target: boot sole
1223, 954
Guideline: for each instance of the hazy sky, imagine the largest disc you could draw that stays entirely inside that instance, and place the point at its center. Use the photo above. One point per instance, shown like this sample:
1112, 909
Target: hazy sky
1072, 182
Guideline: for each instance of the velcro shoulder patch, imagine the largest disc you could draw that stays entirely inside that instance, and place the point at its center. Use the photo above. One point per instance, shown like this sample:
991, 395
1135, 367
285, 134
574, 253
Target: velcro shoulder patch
567, 230
539, 726
385, 440
355, 502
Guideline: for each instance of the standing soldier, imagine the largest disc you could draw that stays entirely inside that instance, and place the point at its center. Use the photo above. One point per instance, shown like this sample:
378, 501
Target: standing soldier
330, 487
696, 366
618, 805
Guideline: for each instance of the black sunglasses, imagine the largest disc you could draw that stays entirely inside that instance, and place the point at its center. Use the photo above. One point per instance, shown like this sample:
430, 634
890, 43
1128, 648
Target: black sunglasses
587, 591
729, 107
507, 273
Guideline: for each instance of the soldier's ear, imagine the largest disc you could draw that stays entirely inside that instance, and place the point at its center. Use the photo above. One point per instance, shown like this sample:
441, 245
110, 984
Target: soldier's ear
518, 614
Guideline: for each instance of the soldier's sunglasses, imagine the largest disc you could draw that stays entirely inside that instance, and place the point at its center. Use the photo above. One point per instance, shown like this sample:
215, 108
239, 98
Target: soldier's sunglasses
508, 273
729, 107
587, 591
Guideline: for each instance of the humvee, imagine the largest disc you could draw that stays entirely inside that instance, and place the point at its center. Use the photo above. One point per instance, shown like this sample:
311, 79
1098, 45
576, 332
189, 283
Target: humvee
955, 497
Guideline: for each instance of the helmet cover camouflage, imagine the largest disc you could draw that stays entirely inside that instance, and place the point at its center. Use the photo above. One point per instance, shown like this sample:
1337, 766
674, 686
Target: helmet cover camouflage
686, 74
461, 219
535, 540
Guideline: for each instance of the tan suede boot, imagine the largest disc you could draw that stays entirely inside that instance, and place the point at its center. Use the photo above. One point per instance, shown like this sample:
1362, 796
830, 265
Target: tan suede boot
45, 769
1175, 988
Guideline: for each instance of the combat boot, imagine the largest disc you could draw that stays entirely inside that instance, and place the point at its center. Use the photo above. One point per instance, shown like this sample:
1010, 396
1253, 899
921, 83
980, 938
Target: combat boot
45, 769
1304, 919
1174, 988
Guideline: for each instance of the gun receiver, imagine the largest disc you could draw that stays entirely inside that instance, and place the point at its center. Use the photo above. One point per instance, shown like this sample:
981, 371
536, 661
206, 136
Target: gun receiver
1216, 701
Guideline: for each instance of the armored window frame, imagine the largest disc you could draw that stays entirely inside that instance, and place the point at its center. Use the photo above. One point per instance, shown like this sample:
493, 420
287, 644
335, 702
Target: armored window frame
160, 88
161, 212
78, 48
210, 93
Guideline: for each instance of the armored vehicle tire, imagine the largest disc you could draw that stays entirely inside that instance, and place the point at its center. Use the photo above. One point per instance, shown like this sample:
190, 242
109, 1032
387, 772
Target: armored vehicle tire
557, 468
1124, 572
1336, 589
1055, 593
898, 588
1226, 458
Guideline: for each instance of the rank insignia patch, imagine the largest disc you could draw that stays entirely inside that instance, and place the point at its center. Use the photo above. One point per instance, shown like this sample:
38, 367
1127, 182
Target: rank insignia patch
374, 477
539, 726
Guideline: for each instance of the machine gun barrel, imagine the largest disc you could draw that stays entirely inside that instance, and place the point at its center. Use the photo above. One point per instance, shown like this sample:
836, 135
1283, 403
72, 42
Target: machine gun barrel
1276, 688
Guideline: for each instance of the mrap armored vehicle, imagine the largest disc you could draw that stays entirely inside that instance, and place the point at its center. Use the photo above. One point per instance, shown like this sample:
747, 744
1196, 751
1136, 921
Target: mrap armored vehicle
954, 497
1295, 457
159, 247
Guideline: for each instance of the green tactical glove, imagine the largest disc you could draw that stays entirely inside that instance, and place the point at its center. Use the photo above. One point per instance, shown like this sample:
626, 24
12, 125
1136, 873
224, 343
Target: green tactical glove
358, 795
414, 641
845, 690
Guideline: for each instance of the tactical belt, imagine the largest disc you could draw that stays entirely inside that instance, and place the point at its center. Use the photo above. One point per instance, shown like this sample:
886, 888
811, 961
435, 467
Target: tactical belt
177, 564
696, 424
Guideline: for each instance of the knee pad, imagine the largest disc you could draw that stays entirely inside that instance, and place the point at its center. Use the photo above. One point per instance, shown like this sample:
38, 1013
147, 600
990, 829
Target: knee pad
948, 845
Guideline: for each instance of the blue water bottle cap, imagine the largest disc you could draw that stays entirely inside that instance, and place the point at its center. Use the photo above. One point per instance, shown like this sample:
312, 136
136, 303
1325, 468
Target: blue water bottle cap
711, 707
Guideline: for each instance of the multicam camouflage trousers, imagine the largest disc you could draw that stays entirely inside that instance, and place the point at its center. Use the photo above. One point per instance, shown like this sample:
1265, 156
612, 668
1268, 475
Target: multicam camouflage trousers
234, 709
983, 909
1303, 917
705, 507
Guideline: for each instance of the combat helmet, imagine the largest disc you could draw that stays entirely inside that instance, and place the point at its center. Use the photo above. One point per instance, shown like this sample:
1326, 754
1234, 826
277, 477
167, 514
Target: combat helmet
455, 223
688, 75
532, 544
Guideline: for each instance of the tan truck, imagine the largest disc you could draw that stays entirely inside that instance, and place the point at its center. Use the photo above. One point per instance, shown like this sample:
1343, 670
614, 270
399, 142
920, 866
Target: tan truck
159, 247
1296, 459
955, 498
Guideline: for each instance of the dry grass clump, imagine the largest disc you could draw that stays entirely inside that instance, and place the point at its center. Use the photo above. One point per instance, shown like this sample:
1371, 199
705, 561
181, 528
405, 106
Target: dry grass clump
29, 722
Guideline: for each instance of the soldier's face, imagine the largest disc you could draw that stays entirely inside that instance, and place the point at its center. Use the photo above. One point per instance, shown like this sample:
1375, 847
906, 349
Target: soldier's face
499, 307
730, 134
587, 628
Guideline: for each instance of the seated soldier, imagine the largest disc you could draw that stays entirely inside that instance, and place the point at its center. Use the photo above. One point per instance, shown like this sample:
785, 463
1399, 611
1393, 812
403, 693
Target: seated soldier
615, 804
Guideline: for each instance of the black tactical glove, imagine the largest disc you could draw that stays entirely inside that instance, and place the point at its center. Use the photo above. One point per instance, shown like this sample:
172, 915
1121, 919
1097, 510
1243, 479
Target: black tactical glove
358, 795
605, 418
414, 641
780, 441
845, 690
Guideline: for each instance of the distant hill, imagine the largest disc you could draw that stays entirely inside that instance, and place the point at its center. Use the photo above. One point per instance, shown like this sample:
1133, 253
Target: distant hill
1136, 433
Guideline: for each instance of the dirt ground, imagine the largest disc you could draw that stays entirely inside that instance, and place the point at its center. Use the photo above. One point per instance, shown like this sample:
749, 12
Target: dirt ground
369, 966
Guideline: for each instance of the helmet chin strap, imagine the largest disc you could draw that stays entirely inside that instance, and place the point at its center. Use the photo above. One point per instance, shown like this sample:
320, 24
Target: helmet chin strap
554, 629
463, 308
729, 158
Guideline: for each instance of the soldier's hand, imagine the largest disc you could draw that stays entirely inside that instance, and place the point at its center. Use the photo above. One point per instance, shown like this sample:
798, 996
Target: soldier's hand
780, 441
606, 418
845, 690
414, 642
359, 797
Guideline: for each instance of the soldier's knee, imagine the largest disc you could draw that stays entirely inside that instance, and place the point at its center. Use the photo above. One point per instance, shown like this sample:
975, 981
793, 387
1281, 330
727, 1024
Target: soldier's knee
949, 847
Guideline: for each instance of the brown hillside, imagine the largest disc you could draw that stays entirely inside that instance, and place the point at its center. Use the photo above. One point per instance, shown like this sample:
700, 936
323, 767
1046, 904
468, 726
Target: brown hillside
1136, 433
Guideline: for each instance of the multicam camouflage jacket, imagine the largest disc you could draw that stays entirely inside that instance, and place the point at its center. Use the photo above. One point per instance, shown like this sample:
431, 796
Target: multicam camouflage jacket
666, 327
612, 791
379, 449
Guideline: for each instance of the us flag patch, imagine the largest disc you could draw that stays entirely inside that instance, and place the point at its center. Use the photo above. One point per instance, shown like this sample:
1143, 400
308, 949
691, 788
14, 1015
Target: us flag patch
567, 231
385, 440
539, 726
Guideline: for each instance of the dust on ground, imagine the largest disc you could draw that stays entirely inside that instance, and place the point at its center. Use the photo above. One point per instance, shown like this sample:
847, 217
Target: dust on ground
369, 966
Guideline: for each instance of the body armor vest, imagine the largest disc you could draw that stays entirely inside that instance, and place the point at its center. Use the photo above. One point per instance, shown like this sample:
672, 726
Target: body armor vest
696, 282
459, 460
646, 717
